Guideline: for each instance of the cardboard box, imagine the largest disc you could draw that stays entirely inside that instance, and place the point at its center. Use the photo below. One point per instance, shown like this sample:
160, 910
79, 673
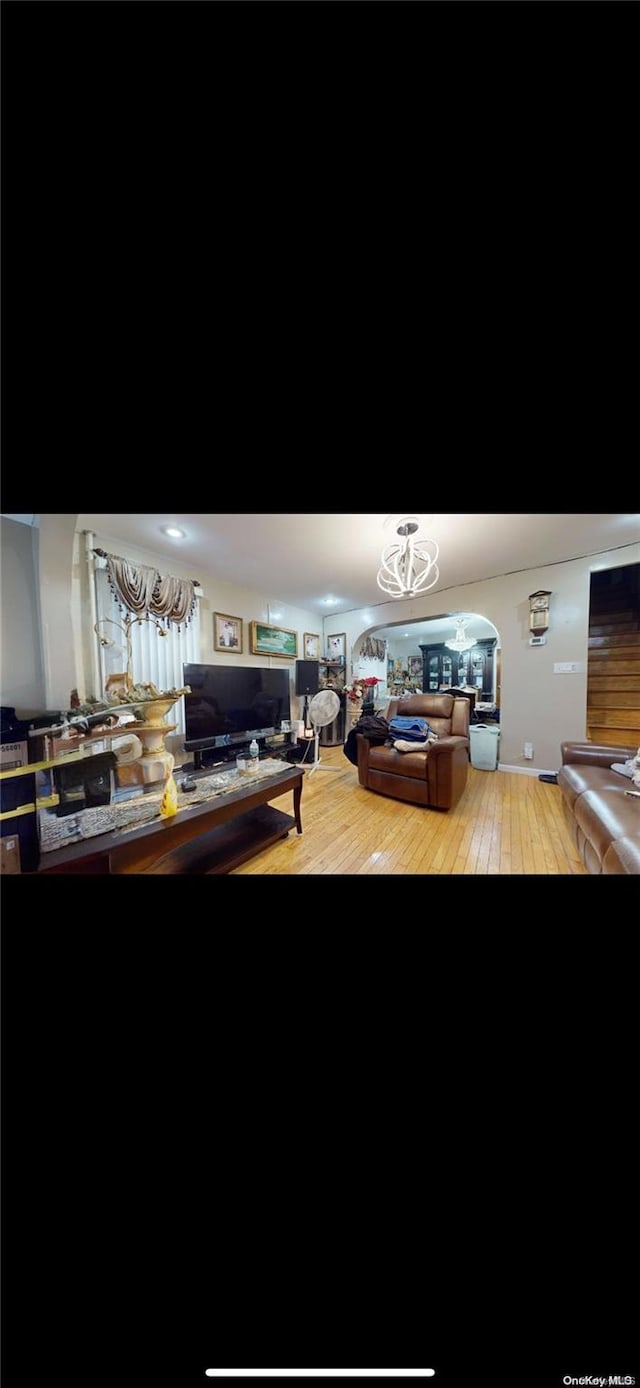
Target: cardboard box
12, 755
10, 854
57, 746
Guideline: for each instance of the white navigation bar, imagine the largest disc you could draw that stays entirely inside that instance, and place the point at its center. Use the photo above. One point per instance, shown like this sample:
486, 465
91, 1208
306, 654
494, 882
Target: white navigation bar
320, 1373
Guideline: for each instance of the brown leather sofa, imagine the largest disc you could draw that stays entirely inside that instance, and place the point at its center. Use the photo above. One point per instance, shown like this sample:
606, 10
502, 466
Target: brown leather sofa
604, 822
435, 777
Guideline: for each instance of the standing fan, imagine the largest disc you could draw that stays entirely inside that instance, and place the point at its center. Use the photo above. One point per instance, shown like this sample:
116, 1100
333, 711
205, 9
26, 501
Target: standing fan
323, 709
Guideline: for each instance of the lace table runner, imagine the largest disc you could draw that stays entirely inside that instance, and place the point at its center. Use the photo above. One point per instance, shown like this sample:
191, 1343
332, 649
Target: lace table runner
131, 814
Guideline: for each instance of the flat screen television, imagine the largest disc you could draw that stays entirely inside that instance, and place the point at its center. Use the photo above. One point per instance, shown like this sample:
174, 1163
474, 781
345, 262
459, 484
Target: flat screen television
230, 704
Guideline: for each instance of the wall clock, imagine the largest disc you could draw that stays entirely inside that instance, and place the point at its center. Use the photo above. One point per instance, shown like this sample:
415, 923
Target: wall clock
539, 610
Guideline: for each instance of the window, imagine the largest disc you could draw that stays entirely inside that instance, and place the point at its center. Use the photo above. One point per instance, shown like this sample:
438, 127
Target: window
155, 659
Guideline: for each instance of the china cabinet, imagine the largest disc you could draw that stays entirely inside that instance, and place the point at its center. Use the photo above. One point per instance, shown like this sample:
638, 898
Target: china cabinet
444, 668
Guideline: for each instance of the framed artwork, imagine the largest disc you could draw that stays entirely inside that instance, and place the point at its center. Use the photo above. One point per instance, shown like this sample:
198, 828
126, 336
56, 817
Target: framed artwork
227, 633
268, 640
311, 646
336, 646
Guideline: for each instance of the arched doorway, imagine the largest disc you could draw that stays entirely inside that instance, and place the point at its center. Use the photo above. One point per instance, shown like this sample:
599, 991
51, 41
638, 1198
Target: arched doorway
419, 658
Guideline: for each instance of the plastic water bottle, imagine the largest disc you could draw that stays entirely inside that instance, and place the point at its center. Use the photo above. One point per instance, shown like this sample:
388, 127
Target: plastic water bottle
253, 751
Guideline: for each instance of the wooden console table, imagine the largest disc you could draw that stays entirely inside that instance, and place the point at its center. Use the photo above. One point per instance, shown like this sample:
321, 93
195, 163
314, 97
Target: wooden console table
213, 837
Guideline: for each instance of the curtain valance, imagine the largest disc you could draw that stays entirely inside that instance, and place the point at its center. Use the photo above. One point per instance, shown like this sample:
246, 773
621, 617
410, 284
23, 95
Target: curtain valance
140, 589
373, 649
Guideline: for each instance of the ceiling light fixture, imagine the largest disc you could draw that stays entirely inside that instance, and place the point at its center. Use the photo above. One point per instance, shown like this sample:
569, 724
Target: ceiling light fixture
174, 532
409, 567
460, 642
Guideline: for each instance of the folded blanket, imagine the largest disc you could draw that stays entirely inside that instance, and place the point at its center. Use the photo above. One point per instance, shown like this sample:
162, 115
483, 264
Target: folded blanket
401, 745
409, 729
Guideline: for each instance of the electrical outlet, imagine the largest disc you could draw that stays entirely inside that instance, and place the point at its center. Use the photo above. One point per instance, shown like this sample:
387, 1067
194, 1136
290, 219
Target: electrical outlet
528, 751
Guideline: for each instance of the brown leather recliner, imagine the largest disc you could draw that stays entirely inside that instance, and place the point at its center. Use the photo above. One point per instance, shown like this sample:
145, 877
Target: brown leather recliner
435, 777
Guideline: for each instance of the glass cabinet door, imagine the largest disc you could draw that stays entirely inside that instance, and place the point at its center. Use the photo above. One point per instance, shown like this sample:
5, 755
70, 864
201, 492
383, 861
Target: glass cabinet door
444, 669
463, 669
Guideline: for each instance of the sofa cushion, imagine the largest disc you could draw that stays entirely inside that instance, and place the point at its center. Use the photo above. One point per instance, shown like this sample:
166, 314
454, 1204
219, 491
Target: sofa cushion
399, 763
623, 856
607, 814
422, 706
578, 777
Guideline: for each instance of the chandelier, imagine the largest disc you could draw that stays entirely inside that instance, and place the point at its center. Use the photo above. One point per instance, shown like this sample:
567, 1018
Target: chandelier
460, 642
408, 567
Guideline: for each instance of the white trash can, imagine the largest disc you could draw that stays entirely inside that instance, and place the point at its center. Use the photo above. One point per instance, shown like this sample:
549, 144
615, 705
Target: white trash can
483, 743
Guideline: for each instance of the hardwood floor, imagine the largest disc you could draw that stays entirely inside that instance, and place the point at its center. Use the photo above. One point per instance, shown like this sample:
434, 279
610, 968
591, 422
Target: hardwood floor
505, 824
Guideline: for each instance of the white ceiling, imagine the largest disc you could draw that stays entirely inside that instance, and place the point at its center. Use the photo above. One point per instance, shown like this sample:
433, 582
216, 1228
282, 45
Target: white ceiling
302, 558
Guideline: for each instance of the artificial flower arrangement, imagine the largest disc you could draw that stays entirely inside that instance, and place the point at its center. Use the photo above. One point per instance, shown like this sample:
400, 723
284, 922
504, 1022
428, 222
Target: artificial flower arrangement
357, 691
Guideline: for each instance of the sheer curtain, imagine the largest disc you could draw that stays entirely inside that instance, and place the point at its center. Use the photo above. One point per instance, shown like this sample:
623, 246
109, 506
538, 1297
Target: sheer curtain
156, 659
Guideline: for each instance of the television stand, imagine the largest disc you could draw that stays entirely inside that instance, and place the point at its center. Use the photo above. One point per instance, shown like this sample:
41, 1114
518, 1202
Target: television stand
215, 757
199, 763
207, 759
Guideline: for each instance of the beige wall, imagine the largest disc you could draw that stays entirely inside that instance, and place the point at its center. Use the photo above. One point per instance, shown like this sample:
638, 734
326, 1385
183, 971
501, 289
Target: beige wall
21, 669
38, 635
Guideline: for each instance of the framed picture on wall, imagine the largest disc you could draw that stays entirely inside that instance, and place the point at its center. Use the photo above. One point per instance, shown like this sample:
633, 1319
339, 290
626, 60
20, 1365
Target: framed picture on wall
268, 640
227, 633
311, 646
337, 646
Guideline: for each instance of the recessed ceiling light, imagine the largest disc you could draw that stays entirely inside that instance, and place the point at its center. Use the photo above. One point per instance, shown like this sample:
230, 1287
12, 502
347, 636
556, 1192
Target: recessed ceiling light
174, 532
330, 602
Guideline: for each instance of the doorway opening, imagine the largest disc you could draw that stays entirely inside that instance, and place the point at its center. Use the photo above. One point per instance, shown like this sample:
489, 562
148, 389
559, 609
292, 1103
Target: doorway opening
613, 662
424, 656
